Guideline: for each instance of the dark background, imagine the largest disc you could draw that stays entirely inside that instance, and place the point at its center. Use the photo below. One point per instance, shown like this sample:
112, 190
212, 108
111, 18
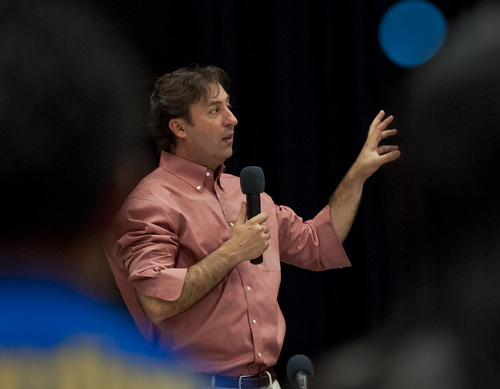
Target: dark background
308, 79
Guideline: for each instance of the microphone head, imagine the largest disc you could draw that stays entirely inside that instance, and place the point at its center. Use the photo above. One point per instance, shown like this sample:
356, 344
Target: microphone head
299, 363
252, 180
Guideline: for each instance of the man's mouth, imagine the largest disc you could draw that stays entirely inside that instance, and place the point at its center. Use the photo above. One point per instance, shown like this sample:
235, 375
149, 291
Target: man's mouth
228, 138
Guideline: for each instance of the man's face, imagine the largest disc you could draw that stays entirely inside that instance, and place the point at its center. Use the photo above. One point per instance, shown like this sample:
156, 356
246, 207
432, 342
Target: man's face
209, 136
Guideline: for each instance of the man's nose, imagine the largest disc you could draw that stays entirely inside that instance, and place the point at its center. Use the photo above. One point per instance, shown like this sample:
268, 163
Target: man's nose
230, 119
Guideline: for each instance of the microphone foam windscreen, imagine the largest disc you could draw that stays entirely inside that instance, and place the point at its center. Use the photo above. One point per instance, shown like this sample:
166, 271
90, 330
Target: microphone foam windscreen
252, 180
298, 363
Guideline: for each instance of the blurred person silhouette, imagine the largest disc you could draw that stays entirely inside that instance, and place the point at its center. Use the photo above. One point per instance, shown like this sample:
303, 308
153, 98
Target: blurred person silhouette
71, 99
444, 331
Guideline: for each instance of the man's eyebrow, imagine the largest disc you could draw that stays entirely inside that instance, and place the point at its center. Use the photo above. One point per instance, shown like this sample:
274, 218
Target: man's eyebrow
214, 101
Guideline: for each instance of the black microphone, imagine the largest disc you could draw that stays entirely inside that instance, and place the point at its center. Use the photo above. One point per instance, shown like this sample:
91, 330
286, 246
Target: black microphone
252, 184
300, 371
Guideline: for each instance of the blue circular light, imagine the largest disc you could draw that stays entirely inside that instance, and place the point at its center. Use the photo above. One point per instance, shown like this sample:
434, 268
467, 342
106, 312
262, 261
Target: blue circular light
411, 32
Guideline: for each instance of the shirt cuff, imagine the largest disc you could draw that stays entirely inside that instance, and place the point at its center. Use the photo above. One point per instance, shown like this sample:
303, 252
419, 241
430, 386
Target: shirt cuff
329, 241
165, 285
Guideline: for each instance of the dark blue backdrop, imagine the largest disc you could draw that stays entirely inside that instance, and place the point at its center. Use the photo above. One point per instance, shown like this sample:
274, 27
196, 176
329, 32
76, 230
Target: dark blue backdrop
308, 78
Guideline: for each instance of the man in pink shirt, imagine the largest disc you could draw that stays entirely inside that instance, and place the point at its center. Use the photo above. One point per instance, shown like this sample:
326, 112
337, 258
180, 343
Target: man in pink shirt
180, 247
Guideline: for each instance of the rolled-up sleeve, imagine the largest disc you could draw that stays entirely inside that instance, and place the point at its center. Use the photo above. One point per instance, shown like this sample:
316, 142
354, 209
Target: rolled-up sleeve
147, 247
312, 244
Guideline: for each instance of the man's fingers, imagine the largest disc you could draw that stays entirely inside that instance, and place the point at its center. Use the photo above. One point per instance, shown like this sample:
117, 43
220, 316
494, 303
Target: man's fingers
377, 130
260, 218
242, 216
386, 149
383, 125
390, 156
388, 133
378, 119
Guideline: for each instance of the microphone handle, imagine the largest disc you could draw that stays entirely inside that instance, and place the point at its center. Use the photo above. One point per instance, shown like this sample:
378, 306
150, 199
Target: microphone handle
302, 380
253, 209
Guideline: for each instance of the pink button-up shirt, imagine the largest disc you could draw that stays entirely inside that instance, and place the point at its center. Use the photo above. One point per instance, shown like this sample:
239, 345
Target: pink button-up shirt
176, 216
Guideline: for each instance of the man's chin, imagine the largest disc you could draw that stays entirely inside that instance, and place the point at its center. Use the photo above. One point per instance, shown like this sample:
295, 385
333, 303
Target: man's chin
229, 153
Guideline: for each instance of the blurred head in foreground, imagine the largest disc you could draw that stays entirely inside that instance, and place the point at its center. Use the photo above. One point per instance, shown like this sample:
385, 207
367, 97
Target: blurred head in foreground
72, 104
443, 331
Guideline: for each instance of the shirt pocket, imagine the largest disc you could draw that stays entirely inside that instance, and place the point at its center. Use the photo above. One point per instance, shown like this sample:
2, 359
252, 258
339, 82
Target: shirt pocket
271, 259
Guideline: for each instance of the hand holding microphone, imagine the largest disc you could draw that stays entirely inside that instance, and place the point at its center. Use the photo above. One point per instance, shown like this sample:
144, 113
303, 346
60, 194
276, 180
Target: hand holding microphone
252, 184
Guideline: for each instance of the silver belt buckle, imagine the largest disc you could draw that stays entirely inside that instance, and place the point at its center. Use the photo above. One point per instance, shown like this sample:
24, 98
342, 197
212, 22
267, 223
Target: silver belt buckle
246, 376
241, 377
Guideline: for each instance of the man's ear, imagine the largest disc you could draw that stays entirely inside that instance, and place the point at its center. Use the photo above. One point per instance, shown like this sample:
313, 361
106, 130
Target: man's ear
177, 127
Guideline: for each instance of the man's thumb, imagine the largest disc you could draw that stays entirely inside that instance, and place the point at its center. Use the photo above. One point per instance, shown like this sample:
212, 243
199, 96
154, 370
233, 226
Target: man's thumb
243, 213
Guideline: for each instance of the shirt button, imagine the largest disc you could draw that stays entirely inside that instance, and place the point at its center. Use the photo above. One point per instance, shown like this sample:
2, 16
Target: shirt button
231, 224
254, 321
260, 354
218, 195
248, 288
198, 187
207, 174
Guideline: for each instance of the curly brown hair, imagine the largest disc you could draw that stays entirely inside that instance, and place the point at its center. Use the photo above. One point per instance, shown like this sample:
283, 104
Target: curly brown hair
173, 95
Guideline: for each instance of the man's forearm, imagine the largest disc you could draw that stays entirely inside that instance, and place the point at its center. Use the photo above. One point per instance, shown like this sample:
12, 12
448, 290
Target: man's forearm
344, 204
248, 240
200, 279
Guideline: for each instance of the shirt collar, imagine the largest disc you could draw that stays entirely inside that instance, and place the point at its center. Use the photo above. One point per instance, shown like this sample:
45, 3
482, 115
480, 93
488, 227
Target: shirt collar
189, 171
